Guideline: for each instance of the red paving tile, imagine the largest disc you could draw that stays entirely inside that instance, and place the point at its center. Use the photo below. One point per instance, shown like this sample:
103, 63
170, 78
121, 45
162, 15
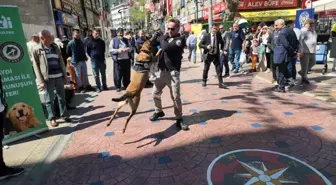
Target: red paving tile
157, 153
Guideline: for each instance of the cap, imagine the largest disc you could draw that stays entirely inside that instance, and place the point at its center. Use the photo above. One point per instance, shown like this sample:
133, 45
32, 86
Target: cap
120, 30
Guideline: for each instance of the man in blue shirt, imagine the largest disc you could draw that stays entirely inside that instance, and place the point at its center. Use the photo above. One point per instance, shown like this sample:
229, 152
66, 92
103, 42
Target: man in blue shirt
191, 43
237, 44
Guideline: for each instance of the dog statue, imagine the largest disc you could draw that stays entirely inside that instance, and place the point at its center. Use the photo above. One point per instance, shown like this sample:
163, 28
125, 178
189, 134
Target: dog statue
140, 74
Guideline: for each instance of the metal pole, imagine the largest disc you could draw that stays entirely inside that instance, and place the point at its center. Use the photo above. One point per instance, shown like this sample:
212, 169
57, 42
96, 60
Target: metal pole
210, 15
196, 2
102, 19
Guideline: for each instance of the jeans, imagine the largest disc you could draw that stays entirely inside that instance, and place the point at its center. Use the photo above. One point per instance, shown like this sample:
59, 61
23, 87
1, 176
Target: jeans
96, 68
172, 80
192, 52
292, 67
236, 58
224, 61
52, 85
80, 68
282, 74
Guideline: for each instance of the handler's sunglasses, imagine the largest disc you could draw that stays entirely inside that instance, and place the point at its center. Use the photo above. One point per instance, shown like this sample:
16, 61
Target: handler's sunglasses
172, 29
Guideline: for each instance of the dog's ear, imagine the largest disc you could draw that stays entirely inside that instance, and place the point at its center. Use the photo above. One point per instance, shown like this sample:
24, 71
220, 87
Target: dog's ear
31, 109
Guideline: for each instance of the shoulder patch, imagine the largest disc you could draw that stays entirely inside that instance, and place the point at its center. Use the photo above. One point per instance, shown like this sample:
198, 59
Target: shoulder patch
178, 42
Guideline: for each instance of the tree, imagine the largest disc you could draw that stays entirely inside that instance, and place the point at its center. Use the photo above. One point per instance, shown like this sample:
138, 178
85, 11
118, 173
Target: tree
137, 13
232, 6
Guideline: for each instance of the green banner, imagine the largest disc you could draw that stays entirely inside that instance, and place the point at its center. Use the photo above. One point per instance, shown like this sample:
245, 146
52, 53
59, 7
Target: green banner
25, 116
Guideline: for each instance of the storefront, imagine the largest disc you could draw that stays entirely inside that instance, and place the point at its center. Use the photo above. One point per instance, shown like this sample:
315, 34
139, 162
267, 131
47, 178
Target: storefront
65, 24
217, 11
69, 16
265, 10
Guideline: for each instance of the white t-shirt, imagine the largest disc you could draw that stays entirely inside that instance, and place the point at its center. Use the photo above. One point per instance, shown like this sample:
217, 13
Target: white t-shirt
2, 107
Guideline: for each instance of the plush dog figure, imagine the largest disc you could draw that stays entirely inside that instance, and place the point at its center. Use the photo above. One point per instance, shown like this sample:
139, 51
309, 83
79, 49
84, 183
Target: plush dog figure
140, 75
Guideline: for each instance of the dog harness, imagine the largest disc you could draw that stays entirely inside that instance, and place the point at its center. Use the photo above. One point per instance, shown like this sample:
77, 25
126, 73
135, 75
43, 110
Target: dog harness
141, 67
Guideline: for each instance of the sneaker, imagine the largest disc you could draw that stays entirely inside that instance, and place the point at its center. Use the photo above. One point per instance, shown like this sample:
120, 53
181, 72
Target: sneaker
66, 119
11, 172
98, 90
179, 124
204, 84
118, 89
105, 88
278, 89
305, 80
89, 88
53, 123
157, 115
82, 90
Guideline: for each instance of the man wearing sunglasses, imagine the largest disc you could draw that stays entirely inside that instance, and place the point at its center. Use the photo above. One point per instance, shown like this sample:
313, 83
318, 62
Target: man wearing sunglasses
169, 65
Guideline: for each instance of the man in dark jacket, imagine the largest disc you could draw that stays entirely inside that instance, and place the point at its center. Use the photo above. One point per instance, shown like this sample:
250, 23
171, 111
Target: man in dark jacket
96, 50
172, 45
5, 171
213, 45
76, 51
285, 51
224, 57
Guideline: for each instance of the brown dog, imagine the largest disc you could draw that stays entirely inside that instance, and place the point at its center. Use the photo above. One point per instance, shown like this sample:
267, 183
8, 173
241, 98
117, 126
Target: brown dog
22, 116
138, 81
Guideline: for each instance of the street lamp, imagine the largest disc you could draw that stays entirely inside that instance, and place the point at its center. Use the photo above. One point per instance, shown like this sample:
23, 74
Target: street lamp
121, 17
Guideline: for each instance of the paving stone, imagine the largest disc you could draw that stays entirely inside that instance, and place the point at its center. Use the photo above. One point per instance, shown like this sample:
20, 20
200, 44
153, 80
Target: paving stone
158, 153
316, 127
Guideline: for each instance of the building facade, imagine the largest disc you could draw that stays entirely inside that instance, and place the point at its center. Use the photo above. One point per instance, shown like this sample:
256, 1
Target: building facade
34, 16
120, 16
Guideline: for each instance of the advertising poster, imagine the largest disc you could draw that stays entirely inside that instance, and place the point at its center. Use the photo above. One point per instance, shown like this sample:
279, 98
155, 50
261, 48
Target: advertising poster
302, 16
25, 115
197, 28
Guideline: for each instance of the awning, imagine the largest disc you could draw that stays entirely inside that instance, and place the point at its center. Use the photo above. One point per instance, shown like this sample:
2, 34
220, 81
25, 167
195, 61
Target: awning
269, 15
323, 5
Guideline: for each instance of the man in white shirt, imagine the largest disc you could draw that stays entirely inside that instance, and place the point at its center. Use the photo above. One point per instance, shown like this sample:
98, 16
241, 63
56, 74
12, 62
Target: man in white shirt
5, 171
120, 52
308, 42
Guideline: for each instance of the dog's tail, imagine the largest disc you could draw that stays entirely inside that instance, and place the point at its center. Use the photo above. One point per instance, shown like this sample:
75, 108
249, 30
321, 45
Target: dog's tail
123, 97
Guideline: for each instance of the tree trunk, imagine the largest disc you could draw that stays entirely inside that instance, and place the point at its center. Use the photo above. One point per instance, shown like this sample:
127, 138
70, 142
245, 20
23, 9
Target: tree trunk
232, 6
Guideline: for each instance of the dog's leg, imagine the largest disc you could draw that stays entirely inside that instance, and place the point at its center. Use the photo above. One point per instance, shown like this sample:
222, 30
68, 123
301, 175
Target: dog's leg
120, 105
134, 103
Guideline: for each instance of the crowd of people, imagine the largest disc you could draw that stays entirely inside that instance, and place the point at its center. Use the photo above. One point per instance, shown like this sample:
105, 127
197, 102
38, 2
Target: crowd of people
274, 49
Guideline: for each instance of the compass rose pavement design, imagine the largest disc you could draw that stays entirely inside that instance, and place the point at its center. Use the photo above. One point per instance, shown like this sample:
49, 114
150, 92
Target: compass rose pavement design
262, 167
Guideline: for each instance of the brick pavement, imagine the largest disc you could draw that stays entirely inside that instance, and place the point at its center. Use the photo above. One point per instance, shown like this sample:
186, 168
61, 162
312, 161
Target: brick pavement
247, 115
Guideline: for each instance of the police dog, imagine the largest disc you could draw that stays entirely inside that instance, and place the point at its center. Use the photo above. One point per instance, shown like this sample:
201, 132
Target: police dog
147, 56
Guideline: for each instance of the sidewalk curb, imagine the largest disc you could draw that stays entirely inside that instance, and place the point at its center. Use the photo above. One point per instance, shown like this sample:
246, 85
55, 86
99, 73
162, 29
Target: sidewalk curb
304, 93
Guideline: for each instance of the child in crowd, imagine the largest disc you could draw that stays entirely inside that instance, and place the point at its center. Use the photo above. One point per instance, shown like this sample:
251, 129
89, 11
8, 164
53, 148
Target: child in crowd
255, 53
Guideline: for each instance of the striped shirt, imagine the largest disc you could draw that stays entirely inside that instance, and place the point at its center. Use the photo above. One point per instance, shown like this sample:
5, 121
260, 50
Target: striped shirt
54, 66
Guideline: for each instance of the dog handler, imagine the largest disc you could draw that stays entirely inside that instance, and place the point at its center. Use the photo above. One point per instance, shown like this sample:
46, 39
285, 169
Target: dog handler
169, 65
5, 171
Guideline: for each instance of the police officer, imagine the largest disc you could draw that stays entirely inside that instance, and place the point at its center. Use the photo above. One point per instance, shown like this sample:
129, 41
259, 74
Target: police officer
169, 65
